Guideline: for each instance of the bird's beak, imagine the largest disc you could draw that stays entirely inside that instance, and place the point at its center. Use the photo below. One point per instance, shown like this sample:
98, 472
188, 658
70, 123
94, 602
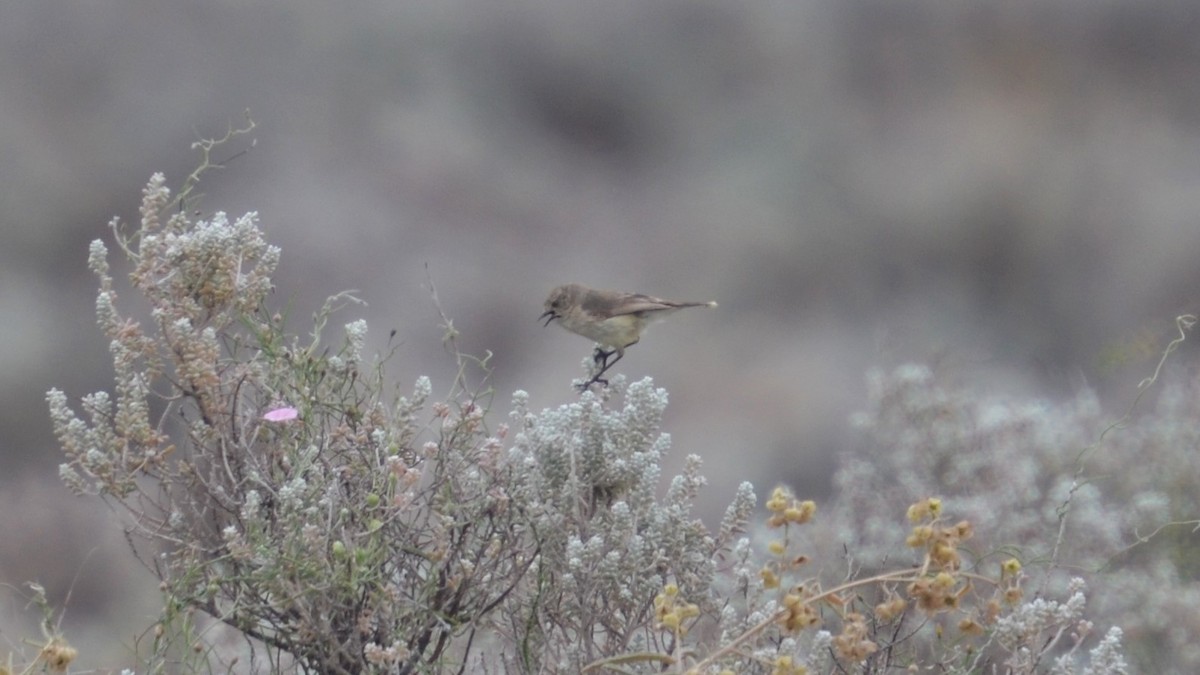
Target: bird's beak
549, 315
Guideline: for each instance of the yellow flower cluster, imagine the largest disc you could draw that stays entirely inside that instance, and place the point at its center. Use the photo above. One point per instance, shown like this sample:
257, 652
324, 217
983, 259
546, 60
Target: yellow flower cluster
671, 611
852, 643
786, 665
939, 593
57, 655
799, 612
891, 608
940, 541
943, 591
785, 508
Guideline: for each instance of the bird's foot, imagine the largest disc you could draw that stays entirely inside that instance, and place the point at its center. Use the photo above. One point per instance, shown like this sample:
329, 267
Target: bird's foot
586, 385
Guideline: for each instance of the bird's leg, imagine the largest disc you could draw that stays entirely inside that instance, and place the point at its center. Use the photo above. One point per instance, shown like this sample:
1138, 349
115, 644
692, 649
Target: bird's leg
601, 359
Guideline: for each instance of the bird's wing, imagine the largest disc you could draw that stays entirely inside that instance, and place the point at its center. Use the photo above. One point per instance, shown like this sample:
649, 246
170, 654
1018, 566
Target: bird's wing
634, 303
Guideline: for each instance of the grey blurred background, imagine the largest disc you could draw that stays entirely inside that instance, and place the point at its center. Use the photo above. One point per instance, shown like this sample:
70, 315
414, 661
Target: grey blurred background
1007, 190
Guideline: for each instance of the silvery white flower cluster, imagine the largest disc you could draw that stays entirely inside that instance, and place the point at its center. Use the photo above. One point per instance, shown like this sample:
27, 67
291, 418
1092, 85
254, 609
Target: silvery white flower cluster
589, 475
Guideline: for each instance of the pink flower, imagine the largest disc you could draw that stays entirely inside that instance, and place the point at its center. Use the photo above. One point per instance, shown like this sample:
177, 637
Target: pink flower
281, 415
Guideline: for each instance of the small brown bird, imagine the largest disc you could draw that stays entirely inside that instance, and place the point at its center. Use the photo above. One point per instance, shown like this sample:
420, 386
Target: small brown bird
611, 318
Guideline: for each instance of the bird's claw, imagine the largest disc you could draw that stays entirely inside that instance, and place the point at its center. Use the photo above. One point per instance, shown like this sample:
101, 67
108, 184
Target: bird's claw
584, 387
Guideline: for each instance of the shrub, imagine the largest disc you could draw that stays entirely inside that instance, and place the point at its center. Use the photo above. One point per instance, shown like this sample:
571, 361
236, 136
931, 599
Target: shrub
280, 487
